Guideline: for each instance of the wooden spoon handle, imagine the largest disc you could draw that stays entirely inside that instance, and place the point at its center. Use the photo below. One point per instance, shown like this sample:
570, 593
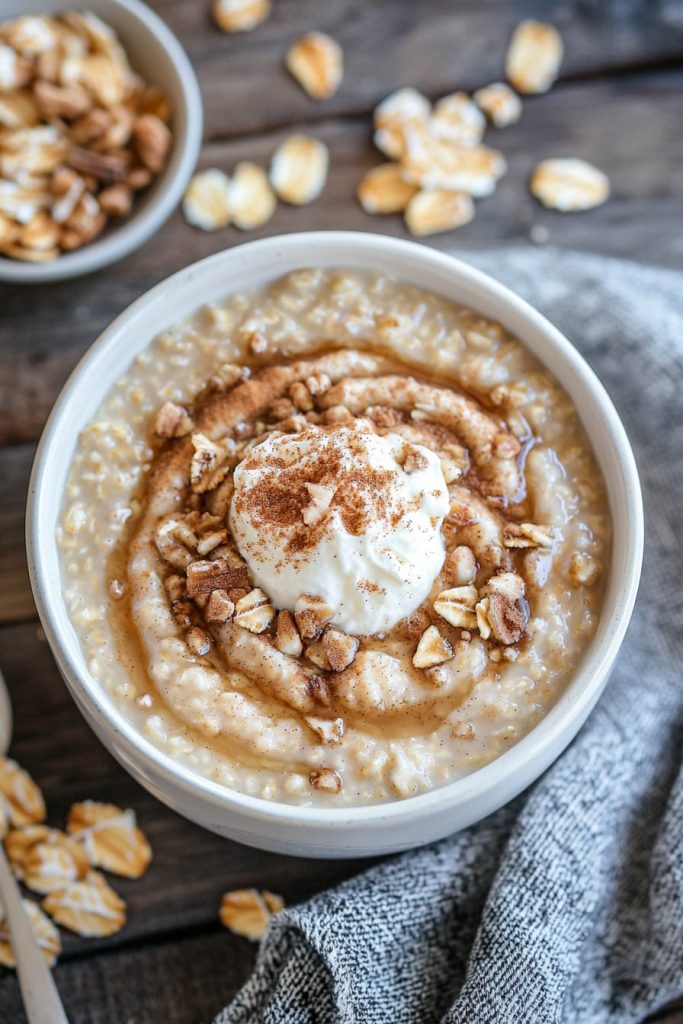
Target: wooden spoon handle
41, 998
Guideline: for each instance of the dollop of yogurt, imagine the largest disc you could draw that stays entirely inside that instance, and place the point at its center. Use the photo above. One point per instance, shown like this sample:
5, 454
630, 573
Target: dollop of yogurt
346, 515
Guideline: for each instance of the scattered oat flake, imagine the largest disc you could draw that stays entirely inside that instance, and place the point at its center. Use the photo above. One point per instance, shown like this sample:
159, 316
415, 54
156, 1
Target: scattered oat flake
240, 15
458, 119
89, 907
534, 56
383, 190
110, 838
436, 163
400, 111
206, 203
46, 935
316, 61
500, 103
51, 864
20, 796
252, 200
569, 185
247, 912
428, 213
298, 171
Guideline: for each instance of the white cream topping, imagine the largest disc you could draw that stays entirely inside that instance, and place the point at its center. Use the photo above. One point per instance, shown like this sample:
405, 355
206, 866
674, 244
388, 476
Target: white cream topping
333, 513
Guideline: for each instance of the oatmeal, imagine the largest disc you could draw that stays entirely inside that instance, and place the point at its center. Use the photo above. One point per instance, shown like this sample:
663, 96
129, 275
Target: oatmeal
336, 541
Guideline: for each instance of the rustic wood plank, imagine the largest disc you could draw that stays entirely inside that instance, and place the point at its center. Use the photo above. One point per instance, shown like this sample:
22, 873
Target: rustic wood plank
595, 121
191, 868
437, 48
16, 600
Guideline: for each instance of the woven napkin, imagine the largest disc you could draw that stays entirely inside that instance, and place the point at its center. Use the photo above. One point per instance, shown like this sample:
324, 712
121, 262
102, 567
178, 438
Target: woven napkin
567, 905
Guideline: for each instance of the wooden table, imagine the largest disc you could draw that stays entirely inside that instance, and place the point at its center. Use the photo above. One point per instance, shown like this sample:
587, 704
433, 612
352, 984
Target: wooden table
619, 103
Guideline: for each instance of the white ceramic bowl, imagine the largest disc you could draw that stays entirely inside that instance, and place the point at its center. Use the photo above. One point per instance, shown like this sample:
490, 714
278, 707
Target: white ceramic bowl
349, 831
158, 56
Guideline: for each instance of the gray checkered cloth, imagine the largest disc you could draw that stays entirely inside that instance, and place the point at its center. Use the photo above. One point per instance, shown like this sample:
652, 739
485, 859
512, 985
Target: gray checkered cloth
566, 906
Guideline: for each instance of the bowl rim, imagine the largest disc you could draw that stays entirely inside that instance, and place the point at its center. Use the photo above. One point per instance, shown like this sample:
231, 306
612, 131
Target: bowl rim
136, 230
559, 724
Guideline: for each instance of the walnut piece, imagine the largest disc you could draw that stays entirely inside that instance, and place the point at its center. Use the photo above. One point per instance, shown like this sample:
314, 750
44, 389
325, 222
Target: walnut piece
219, 607
312, 614
205, 576
329, 731
172, 420
339, 647
254, 612
326, 779
507, 611
287, 639
433, 649
321, 499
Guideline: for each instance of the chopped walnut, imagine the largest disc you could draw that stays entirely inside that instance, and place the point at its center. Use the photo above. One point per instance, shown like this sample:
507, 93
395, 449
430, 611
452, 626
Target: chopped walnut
312, 614
287, 639
175, 587
329, 731
507, 612
198, 641
219, 607
321, 499
460, 566
205, 576
433, 649
301, 396
209, 464
318, 384
339, 647
172, 421
326, 779
281, 409
315, 652
413, 459
321, 690
527, 535
254, 612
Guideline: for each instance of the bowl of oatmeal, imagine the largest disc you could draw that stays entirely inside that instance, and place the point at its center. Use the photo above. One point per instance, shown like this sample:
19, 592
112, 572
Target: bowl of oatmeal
335, 541
100, 129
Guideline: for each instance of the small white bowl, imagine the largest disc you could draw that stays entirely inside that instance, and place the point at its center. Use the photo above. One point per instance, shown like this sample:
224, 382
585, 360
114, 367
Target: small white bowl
321, 832
158, 56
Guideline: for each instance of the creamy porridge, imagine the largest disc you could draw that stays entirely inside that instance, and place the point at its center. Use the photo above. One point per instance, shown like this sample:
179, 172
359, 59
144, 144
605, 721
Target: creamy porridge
334, 541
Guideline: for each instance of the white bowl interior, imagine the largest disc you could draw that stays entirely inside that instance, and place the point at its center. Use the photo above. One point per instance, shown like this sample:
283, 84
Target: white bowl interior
255, 264
157, 55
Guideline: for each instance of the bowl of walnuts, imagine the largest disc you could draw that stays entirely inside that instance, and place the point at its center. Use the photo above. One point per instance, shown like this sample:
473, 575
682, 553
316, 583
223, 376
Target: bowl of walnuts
100, 127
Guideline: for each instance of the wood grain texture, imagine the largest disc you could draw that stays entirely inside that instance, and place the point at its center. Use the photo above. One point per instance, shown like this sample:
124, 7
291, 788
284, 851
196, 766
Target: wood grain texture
596, 121
617, 104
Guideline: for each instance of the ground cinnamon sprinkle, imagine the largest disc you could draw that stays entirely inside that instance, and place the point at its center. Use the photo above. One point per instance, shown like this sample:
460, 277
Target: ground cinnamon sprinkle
276, 502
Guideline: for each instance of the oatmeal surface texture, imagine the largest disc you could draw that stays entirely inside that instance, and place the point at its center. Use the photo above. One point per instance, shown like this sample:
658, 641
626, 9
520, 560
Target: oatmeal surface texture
335, 541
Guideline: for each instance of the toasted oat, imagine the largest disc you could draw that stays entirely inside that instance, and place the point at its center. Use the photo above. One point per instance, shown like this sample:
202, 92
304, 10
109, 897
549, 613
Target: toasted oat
89, 907
329, 731
317, 63
457, 606
110, 837
321, 499
240, 15
326, 779
247, 912
41, 233
339, 647
482, 620
527, 535
219, 607
44, 931
287, 639
500, 103
458, 119
298, 170
252, 201
209, 464
534, 56
51, 864
20, 798
429, 213
15, 71
315, 652
569, 185
402, 110
507, 611
312, 614
435, 163
433, 649
254, 612
199, 641
206, 203
460, 566
584, 570
383, 190
172, 420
